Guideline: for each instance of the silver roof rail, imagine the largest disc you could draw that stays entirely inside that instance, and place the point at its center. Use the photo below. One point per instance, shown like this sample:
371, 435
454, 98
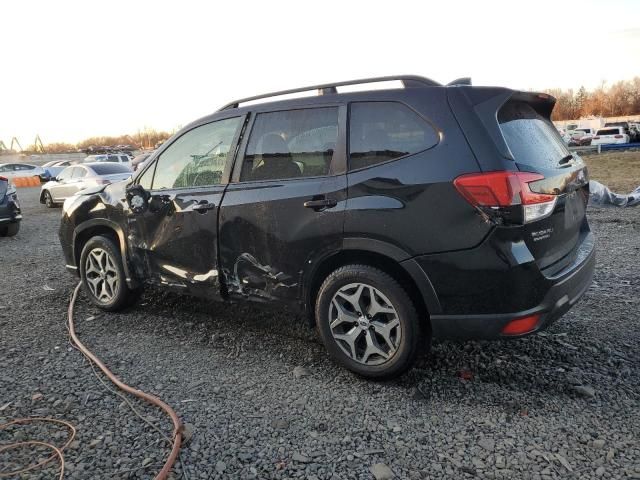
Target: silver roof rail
409, 81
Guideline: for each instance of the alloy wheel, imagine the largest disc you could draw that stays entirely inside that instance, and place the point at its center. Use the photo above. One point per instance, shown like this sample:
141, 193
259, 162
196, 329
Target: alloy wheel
101, 275
364, 324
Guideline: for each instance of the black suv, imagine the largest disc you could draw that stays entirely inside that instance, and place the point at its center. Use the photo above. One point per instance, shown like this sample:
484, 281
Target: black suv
10, 214
389, 216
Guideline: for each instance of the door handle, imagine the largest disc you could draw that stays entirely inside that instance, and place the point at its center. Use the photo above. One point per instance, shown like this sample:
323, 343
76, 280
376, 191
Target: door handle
204, 206
321, 203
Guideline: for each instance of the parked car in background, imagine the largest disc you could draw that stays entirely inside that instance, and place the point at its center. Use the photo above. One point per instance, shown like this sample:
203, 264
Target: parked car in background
53, 169
110, 157
10, 214
139, 160
390, 217
20, 170
75, 178
610, 136
581, 136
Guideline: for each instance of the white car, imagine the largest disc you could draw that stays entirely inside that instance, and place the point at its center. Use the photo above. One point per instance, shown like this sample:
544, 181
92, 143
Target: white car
580, 133
109, 157
78, 177
20, 170
609, 136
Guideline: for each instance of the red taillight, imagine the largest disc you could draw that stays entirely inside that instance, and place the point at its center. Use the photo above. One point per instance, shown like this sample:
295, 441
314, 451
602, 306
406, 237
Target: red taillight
596, 137
617, 136
500, 189
496, 190
4, 178
520, 326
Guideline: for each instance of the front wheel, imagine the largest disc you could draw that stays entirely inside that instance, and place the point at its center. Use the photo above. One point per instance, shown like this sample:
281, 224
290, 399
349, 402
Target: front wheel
103, 277
367, 322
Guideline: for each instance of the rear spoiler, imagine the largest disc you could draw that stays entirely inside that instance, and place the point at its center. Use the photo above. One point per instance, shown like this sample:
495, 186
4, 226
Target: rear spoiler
486, 102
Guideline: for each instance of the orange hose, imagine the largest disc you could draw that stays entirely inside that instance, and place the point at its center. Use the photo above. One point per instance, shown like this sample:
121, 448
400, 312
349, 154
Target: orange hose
57, 452
177, 424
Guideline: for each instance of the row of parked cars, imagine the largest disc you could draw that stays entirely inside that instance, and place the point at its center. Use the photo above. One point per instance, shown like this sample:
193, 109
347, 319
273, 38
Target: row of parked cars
61, 179
51, 170
612, 133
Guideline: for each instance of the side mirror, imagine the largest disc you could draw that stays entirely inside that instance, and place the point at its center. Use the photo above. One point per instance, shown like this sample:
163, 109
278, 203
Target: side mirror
137, 198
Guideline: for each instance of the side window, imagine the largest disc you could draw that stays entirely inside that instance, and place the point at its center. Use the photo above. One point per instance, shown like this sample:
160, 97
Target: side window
197, 158
382, 131
124, 159
113, 158
289, 144
79, 172
66, 173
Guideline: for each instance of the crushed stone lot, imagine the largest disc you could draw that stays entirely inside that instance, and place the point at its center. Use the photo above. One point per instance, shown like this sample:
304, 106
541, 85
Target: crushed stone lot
562, 404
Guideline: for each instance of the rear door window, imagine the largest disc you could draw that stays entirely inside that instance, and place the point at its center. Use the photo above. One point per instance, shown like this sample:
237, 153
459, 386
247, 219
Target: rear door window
532, 139
383, 131
291, 144
110, 169
610, 131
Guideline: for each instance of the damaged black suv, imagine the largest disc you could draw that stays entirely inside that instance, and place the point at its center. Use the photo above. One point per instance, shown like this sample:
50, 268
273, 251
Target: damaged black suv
390, 216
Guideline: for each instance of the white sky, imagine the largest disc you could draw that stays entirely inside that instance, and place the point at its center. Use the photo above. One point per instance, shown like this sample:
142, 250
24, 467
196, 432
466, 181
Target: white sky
70, 70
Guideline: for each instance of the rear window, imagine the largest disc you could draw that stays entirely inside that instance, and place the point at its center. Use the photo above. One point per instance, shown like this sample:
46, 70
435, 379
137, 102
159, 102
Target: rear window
532, 139
609, 131
110, 168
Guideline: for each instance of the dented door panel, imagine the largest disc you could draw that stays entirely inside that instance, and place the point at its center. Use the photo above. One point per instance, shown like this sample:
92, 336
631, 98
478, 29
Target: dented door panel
177, 239
267, 235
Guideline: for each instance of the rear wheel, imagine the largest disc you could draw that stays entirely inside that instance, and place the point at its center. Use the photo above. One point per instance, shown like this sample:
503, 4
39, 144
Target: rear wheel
10, 230
48, 200
367, 322
103, 276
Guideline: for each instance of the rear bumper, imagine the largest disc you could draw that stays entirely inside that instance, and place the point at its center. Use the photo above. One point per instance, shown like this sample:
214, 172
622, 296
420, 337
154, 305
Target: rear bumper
563, 290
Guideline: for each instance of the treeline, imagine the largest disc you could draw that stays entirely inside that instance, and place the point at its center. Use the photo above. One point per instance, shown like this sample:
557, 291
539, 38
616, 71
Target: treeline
145, 138
620, 99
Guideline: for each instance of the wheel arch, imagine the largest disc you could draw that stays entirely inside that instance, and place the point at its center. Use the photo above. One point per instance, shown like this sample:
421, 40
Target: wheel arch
101, 226
406, 271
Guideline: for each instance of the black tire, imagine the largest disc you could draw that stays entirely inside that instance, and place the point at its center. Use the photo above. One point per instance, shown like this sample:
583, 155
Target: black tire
48, 200
411, 338
10, 230
121, 296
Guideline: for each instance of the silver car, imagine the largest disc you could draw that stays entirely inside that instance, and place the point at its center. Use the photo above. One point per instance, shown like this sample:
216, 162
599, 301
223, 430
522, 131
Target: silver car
78, 177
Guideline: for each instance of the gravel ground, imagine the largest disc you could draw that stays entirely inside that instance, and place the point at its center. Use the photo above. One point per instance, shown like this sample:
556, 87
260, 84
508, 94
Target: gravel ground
562, 404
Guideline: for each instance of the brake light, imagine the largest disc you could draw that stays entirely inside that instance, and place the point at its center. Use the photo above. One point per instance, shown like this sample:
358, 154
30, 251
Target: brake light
504, 189
596, 137
4, 178
520, 326
617, 136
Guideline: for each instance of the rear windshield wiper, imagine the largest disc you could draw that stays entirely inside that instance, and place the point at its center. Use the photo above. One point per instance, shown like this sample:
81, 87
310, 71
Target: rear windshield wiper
565, 159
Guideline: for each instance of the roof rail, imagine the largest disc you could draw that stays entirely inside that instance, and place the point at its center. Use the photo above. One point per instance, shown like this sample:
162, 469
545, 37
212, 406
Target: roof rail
409, 81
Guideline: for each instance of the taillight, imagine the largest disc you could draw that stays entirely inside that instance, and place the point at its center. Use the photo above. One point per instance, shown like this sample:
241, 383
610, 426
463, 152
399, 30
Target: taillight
617, 136
596, 137
4, 178
493, 192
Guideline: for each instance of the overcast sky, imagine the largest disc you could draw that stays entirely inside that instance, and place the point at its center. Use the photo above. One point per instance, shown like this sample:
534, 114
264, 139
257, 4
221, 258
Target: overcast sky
70, 70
